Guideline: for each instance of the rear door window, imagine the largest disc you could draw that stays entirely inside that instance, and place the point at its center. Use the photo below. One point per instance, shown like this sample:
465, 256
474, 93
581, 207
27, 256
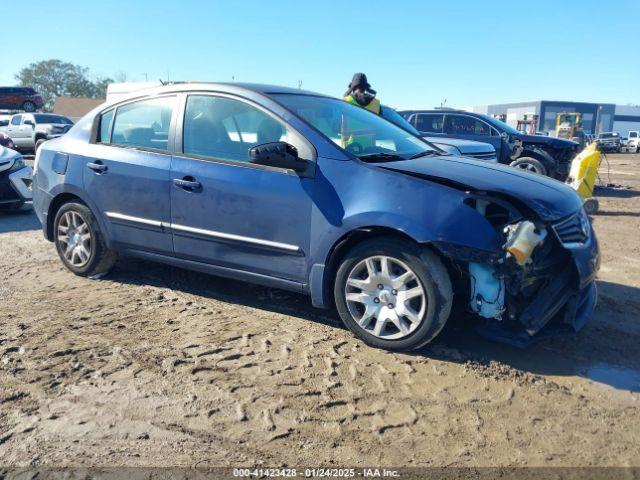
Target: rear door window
144, 124
430, 122
465, 125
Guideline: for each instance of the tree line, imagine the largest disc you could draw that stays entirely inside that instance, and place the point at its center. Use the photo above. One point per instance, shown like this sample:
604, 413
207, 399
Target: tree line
55, 78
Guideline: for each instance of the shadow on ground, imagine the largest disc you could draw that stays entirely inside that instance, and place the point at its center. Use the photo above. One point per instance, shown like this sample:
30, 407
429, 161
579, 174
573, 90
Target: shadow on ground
19, 221
616, 192
600, 350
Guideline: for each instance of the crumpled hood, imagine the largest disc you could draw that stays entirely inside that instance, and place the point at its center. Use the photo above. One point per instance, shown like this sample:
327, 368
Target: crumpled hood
550, 199
547, 140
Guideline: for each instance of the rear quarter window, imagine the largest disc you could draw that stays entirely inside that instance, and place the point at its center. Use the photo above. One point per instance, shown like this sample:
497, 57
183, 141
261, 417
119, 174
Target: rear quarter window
104, 132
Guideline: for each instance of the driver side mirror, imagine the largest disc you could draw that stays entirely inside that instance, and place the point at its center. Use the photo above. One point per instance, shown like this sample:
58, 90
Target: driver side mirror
277, 154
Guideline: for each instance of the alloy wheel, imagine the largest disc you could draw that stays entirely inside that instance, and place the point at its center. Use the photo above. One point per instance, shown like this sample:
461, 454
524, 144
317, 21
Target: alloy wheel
385, 297
74, 238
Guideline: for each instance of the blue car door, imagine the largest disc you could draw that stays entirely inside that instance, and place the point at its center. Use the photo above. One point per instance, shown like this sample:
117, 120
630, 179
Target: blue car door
126, 173
228, 212
467, 127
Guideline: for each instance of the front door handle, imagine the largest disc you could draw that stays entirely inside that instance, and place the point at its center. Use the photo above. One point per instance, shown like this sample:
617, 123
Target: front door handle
97, 167
187, 183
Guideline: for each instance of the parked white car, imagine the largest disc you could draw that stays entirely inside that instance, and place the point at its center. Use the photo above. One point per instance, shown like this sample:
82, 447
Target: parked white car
29, 130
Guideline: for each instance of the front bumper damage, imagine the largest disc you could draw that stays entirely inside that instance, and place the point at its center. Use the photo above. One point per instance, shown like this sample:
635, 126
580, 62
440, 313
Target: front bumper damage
15, 188
550, 290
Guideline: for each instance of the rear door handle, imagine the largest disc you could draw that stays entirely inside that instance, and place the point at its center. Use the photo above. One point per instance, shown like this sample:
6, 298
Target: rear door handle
187, 183
97, 167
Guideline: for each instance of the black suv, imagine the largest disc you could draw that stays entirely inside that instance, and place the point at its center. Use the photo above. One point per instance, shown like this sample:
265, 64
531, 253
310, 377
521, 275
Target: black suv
544, 155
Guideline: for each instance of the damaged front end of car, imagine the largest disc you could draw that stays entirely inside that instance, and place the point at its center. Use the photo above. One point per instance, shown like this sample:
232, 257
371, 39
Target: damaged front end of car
537, 279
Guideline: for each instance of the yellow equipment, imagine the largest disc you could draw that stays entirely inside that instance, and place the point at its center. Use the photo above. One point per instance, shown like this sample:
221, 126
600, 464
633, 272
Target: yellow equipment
569, 126
583, 174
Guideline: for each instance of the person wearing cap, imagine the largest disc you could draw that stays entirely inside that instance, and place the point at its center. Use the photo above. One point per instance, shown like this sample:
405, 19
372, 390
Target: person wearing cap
361, 94
355, 136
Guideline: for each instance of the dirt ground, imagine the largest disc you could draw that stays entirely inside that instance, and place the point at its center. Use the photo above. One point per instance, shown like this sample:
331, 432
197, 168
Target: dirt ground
157, 366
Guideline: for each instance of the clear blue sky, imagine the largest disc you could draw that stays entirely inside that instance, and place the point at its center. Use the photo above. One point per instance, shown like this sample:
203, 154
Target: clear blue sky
415, 53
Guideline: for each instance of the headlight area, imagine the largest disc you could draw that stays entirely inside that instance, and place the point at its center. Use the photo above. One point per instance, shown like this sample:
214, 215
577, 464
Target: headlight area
21, 179
528, 282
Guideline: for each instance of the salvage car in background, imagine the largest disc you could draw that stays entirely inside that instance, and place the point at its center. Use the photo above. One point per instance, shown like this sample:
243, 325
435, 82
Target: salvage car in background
30, 130
297, 190
5, 141
545, 155
454, 146
15, 180
20, 98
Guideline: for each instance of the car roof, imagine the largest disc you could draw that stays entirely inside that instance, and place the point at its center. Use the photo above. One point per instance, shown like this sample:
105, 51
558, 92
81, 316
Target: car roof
230, 87
442, 110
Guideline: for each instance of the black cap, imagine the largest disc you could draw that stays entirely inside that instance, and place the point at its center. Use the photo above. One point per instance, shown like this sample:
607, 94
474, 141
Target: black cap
359, 80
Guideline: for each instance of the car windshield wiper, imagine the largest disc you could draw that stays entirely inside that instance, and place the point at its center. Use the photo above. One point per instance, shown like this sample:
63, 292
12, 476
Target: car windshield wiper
381, 156
428, 153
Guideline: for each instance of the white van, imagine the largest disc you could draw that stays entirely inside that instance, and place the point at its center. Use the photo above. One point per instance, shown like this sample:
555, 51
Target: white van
632, 142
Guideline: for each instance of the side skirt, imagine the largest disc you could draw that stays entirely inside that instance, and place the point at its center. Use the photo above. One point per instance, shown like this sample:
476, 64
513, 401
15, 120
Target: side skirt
241, 275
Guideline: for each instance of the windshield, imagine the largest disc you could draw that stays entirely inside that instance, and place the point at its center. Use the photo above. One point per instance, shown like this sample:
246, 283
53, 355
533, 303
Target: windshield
355, 129
608, 135
47, 118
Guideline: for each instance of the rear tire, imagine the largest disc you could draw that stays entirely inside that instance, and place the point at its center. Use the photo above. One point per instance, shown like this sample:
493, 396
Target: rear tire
413, 304
529, 164
39, 144
79, 241
29, 106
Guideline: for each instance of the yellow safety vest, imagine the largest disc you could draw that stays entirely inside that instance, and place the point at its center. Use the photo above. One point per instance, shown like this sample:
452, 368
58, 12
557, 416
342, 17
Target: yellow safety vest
352, 132
374, 105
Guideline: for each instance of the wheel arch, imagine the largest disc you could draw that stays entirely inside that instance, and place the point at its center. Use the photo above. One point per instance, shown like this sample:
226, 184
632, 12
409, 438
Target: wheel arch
322, 275
66, 196
550, 163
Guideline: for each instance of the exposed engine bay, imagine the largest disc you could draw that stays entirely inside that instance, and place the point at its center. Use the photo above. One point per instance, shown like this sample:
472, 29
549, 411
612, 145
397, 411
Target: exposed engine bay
531, 280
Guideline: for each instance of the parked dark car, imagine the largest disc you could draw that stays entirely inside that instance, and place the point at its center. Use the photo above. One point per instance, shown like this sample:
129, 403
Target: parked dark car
20, 98
455, 146
540, 154
5, 141
610, 142
297, 190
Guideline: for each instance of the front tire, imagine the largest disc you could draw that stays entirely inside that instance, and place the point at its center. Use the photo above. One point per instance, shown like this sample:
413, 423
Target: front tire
591, 205
29, 106
393, 294
79, 241
529, 164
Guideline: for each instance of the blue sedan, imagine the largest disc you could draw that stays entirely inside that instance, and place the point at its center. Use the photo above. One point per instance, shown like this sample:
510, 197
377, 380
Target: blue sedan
301, 191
